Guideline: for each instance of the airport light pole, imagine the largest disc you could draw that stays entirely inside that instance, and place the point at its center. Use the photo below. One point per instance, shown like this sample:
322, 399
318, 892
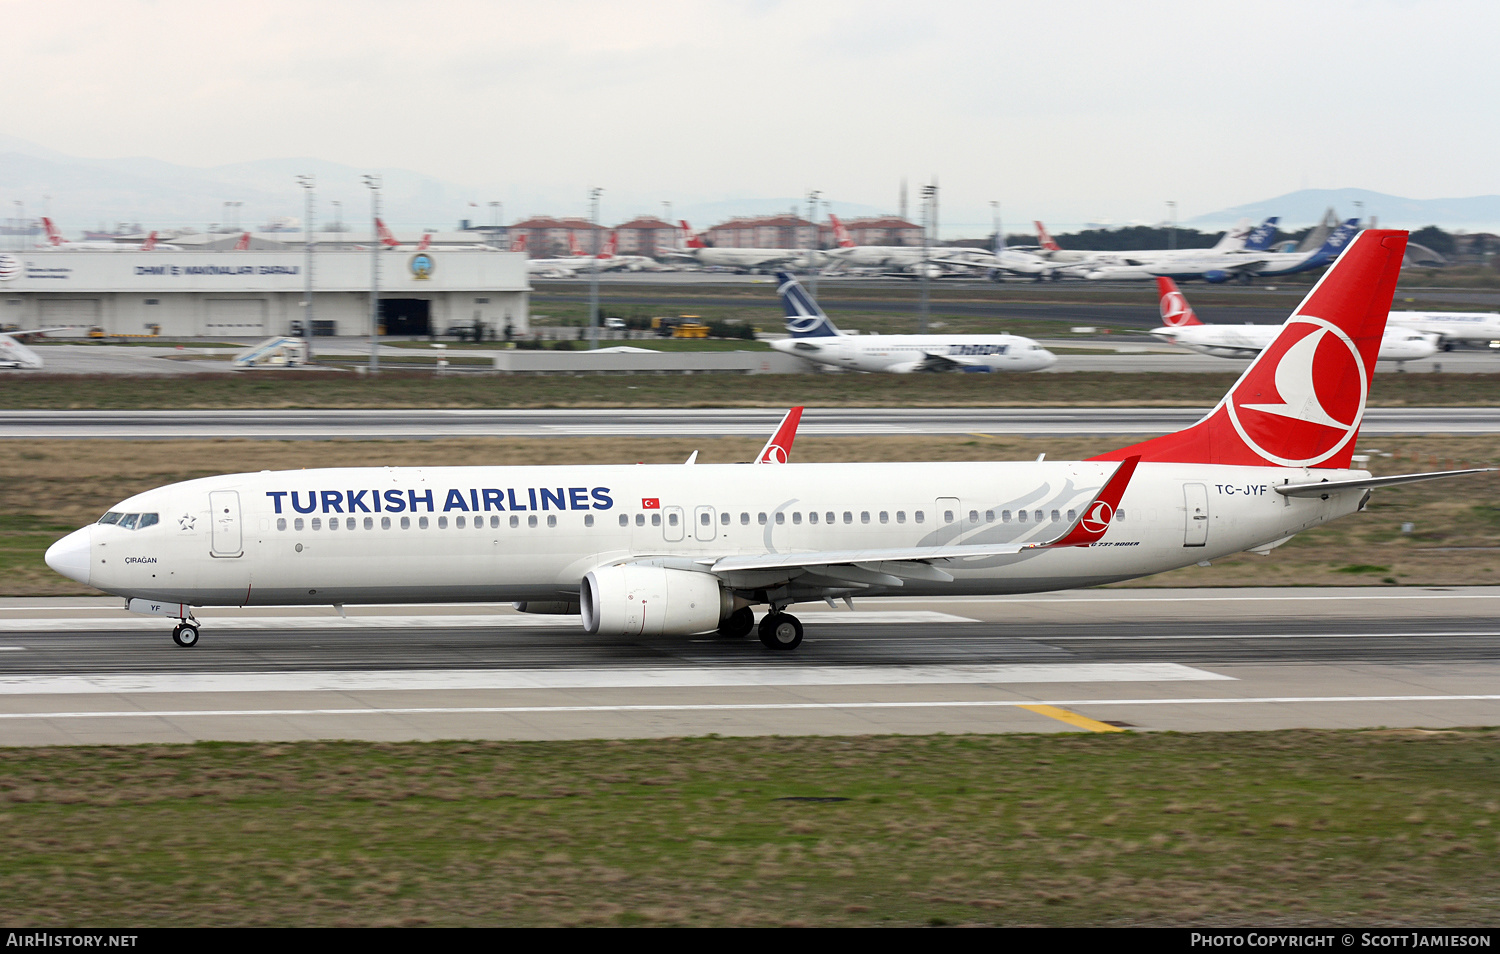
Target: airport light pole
307, 183
22, 232
929, 199
1172, 231
496, 215
594, 270
812, 252
373, 182
1361, 207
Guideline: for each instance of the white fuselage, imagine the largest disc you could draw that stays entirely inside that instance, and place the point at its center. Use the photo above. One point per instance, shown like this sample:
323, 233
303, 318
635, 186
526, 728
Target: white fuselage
905, 353
756, 257
1246, 341
445, 534
1451, 325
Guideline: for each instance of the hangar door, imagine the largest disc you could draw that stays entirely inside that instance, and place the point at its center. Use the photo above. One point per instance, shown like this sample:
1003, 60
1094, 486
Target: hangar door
235, 316
406, 316
70, 311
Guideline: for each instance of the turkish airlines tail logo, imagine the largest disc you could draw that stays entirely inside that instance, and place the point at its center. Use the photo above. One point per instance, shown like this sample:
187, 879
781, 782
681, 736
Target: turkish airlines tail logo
426, 242
243, 245
1175, 310
54, 237
778, 449
150, 242
610, 245
840, 233
689, 240
518, 244
1301, 402
1045, 239
386, 238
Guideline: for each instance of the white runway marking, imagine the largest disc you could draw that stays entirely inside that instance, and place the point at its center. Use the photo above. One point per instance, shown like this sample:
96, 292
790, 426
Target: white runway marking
461, 679
137, 624
729, 707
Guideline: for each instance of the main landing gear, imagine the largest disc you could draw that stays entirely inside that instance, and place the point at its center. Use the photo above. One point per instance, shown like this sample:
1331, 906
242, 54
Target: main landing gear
780, 631
185, 633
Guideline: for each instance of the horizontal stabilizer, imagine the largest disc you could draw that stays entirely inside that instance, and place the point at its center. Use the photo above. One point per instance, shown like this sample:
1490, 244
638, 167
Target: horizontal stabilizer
1330, 486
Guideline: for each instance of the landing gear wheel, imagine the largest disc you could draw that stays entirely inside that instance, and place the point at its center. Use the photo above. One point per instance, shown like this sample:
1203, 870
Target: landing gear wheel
185, 635
737, 625
780, 631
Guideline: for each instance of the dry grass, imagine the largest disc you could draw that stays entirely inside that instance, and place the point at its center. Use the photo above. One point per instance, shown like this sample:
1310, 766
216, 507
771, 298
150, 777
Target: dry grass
1302, 827
52, 487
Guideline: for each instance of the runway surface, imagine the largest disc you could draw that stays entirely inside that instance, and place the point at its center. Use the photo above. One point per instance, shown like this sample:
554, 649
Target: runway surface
83, 671
650, 422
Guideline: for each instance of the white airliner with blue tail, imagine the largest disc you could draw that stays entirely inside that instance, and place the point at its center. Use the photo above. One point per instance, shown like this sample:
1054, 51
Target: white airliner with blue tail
673, 550
814, 337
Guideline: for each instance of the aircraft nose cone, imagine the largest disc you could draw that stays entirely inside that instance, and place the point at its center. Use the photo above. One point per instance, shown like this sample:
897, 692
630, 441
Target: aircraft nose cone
70, 555
1048, 359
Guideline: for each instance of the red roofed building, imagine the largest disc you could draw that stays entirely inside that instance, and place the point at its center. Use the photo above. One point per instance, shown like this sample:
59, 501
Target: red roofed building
644, 234
547, 237
764, 231
876, 230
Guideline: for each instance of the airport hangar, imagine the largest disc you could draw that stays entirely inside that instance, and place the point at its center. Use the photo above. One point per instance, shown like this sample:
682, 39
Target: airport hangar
259, 293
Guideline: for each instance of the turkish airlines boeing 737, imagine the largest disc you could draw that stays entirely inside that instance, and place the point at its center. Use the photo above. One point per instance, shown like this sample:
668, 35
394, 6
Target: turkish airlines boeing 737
676, 549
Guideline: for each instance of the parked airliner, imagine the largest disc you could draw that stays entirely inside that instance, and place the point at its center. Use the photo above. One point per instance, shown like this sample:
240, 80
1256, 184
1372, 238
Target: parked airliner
814, 337
1216, 267
1451, 326
672, 550
1181, 326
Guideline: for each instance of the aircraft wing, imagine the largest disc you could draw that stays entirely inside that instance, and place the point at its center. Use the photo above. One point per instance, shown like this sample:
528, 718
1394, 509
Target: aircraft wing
948, 362
43, 333
888, 566
1325, 487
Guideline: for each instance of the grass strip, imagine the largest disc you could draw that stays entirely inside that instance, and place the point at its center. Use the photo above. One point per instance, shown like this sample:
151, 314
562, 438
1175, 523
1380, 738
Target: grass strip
1292, 828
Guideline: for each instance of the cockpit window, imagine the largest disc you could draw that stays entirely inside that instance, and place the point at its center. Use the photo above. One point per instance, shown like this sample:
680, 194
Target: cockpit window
131, 521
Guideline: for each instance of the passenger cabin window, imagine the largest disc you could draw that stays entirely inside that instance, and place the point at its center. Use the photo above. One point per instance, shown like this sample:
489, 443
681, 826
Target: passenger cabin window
989, 516
588, 520
317, 523
515, 521
724, 518
848, 516
744, 519
280, 523
640, 520
812, 517
421, 523
624, 520
531, 520
385, 523
655, 520
760, 518
442, 523
297, 524
1056, 516
947, 516
1005, 516
900, 516
797, 518
1021, 515
1072, 515
780, 517
705, 519
1039, 516
973, 516
551, 519
495, 521
672, 519
828, 517
885, 516
921, 517
369, 523
864, 516
458, 523
405, 523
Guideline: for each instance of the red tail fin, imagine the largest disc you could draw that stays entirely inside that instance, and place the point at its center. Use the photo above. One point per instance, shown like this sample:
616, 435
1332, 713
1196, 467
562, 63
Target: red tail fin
1046, 240
1301, 402
779, 448
150, 242
1175, 310
243, 245
426, 242
386, 238
610, 245
54, 237
689, 239
518, 244
845, 240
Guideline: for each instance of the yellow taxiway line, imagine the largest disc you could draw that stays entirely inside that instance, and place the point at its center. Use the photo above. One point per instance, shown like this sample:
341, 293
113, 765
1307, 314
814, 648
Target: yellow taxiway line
1073, 718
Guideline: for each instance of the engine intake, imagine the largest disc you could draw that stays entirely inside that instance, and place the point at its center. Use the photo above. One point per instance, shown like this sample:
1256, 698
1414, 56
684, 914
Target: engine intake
638, 600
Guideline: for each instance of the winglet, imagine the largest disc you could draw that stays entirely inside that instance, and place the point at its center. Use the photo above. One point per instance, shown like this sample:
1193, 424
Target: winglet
1097, 516
779, 448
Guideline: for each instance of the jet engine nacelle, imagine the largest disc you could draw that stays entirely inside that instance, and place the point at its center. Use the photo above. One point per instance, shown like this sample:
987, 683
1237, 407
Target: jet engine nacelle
633, 599
1216, 276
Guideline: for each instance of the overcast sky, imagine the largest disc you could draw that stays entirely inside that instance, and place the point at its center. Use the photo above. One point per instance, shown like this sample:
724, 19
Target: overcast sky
1075, 110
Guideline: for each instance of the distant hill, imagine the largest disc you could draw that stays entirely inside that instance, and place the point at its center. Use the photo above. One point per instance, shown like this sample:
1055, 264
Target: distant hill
1306, 206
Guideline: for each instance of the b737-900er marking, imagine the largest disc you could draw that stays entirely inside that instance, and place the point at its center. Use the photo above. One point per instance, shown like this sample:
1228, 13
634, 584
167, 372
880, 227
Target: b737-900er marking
1276, 453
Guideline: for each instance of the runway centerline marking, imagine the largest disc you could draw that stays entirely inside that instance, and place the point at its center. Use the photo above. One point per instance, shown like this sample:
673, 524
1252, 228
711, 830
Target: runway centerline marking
724, 707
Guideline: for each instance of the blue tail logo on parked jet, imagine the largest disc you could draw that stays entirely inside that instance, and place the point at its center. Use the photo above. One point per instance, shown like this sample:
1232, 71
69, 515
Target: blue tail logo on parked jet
804, 319
1335, 243
1262, 235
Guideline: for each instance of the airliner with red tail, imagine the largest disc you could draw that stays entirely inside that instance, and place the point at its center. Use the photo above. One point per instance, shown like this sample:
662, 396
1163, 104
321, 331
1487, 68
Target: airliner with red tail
679, 549
1180, 325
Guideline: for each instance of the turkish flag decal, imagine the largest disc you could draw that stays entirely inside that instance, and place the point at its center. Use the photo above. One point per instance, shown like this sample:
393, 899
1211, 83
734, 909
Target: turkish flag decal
650, 503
